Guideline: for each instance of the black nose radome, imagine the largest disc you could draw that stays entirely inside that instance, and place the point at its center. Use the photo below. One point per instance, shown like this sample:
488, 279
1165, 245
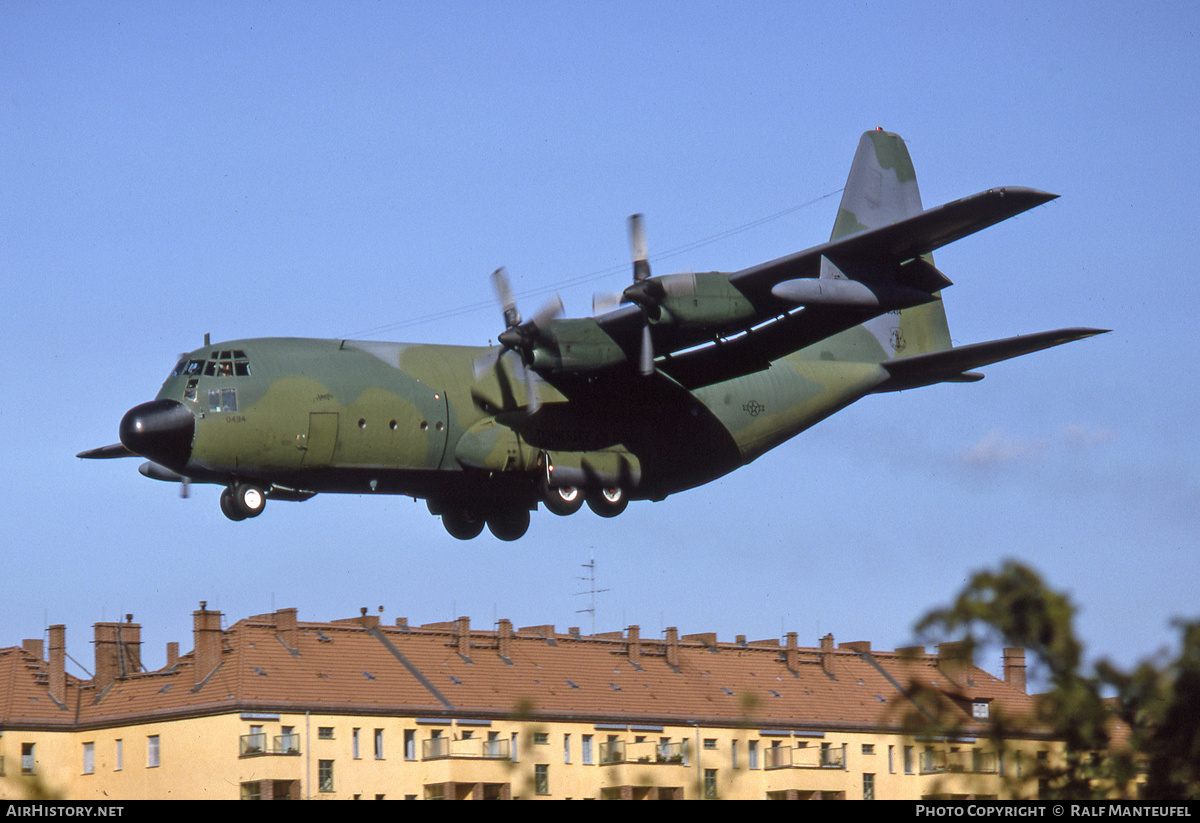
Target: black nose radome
161, 430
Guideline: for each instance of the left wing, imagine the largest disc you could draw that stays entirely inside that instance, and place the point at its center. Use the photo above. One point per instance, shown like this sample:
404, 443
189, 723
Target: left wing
767, 311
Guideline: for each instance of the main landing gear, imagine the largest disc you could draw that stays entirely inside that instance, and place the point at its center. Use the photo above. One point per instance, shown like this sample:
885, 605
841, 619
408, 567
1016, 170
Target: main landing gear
465, 523
510, 522
242, 500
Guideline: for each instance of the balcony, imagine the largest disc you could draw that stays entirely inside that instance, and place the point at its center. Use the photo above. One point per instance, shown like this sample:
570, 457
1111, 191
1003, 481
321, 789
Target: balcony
443, 748
804, 757
646, 751
255, 745
973, 761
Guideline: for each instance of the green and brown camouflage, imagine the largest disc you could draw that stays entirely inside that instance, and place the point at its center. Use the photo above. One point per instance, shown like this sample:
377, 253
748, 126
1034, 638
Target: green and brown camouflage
693, 377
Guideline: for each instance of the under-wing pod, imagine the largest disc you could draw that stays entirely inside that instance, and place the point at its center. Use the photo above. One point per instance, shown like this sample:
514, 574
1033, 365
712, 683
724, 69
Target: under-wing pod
592, 470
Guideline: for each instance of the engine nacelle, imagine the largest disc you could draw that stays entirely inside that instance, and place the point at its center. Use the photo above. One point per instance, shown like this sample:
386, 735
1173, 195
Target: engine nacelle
704, 300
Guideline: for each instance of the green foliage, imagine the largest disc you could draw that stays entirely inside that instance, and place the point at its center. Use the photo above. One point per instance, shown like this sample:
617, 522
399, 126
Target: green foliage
1160, 703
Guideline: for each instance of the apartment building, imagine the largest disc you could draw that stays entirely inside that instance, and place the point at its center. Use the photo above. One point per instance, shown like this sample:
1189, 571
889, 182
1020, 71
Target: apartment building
274, 708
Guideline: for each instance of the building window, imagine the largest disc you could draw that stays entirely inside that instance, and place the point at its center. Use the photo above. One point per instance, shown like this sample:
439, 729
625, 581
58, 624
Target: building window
89, 758
868, 787
710, 743
28, 760
710, 784
908, 760
120, 758
325, 732
379, 744
566, 748
733, 754
541, 738
586, 753
354, 743
868, 748
152, 752
324, 775
891, 759
979, 710
752, 755
410, 744
541, 778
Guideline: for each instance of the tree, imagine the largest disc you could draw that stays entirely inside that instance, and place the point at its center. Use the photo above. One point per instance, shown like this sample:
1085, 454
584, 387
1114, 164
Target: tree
1159, 703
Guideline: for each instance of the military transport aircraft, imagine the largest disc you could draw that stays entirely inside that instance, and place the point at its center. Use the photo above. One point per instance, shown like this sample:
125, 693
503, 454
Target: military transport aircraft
690, 377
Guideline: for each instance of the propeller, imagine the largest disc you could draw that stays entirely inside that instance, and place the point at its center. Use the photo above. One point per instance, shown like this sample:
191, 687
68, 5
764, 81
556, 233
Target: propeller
644, 293
520, 338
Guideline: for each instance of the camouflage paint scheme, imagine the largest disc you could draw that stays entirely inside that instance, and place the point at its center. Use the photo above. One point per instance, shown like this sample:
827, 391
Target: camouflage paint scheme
739, 363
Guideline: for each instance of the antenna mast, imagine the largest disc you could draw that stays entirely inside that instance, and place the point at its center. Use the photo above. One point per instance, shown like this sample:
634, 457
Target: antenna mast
590, 579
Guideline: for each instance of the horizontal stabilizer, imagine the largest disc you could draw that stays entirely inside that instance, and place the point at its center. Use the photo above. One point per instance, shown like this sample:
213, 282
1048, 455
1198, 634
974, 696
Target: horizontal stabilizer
952, 365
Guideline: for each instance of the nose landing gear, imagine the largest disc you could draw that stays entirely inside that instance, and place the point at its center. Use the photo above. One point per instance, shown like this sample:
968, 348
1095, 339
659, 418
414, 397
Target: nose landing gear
242, 500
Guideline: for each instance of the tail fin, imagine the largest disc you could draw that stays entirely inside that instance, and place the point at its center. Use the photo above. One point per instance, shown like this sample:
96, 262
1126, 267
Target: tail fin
881, 189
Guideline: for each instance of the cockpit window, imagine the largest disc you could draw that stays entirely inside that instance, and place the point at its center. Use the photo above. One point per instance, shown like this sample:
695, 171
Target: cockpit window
227, 363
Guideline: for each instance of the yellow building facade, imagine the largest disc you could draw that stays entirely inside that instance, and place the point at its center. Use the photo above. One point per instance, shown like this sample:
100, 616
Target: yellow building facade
275, 708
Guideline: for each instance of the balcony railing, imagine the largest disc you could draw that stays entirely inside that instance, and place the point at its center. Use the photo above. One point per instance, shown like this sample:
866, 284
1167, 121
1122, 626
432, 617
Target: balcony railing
974, 760
804, 757
441, 748
253, 745
645, 751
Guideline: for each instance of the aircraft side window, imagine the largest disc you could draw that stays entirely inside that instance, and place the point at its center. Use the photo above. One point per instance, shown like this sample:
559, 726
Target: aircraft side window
224, 369
222, 400
241, 368
195, 367
210, 368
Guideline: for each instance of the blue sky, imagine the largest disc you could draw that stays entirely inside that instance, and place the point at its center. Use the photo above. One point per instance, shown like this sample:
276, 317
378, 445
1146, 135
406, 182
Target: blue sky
354, 169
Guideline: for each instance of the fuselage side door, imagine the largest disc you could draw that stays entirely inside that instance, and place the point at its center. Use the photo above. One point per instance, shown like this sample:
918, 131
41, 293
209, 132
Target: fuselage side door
321, 440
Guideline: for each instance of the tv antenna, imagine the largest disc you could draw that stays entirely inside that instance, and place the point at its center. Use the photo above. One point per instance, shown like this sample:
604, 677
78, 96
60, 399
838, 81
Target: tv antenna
590, 579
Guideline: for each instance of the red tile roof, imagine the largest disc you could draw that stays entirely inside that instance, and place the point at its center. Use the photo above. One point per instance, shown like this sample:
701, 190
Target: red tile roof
358, 667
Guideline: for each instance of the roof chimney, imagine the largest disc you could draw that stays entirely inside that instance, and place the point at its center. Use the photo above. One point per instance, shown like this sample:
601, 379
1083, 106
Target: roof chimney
673, 647
118, 651
792, 655
504, 640
1014, 668
58, 663
827, 654
285, 627
633, 645
172, 653
207, 635
954, 659
462, 637
33, 648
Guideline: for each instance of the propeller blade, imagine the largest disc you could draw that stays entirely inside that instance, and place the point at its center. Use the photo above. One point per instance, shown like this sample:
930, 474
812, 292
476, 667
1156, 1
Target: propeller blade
604, 303
548, 312
637, 246
486, 362
512, 317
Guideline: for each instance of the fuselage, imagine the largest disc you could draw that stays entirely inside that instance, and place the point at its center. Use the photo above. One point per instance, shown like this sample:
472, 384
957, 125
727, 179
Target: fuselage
311, 415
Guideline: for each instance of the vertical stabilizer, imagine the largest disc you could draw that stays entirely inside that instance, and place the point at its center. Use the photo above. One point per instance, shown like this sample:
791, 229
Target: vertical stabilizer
881, 189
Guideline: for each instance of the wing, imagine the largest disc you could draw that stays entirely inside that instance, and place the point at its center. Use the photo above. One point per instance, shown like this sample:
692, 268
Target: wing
768, 311
876, 270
